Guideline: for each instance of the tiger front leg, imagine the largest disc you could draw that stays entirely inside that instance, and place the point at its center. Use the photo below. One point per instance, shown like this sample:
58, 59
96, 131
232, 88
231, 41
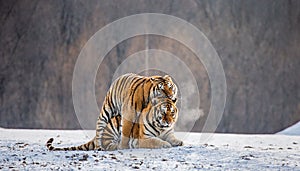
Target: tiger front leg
125, 133
173, 140
129, 118
153, 142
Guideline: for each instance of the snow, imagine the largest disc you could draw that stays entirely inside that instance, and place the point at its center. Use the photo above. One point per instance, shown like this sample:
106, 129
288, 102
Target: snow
292, 130
25, 150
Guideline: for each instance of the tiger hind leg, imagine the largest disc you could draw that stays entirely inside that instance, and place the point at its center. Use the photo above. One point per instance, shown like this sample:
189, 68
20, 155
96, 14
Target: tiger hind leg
112, 134
103, 122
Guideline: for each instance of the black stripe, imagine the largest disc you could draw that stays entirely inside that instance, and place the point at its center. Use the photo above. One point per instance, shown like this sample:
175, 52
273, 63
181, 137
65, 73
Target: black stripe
113, 98
73, 148
107, 134
112, 126
149, 130
152, 89
107, 114
99, 129
80, 148
122, 84
86, 146
115, 94
110, 138
112, 103
103, 119
143, 104
127, 85
134, 90
116, 91
118, 123
109, 103
147, 134
149, 123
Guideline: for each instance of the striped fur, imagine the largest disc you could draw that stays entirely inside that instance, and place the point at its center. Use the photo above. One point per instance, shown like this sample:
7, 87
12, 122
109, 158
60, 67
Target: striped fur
153, 128
127, 97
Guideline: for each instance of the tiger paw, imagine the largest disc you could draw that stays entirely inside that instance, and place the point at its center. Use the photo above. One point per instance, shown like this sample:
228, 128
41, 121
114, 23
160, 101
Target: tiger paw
100, 149
166, 145
177, 143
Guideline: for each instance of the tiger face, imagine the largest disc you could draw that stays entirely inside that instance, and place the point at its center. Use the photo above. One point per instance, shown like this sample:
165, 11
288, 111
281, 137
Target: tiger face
165, 114
164, 87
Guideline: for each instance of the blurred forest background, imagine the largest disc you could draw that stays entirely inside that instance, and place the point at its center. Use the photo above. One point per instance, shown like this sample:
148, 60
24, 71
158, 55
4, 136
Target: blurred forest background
257, 41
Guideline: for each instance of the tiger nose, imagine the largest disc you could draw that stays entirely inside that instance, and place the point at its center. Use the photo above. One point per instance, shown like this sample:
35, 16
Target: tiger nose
168, 122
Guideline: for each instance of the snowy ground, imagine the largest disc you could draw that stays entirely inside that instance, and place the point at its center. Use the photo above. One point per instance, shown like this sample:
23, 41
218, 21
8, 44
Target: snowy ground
25, 150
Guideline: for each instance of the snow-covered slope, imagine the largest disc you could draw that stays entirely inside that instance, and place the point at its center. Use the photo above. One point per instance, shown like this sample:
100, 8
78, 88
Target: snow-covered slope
25, 149
292, 130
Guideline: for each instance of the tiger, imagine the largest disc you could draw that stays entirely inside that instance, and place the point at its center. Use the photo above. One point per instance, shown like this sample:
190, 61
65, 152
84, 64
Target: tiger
126, 98
153, 128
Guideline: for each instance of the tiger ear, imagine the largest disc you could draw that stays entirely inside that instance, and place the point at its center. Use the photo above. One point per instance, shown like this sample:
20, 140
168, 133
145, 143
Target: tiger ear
152, 79
167, 77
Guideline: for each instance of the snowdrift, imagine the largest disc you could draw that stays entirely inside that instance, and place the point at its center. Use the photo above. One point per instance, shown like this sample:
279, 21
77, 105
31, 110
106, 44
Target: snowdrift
292, 130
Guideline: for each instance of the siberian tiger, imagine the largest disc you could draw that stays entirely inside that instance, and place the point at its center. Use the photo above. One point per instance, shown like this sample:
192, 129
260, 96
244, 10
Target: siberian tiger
153, 128
125, 100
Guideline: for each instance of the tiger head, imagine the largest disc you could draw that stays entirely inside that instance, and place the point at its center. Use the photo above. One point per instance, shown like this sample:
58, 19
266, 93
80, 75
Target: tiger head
165, 113
164, 87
